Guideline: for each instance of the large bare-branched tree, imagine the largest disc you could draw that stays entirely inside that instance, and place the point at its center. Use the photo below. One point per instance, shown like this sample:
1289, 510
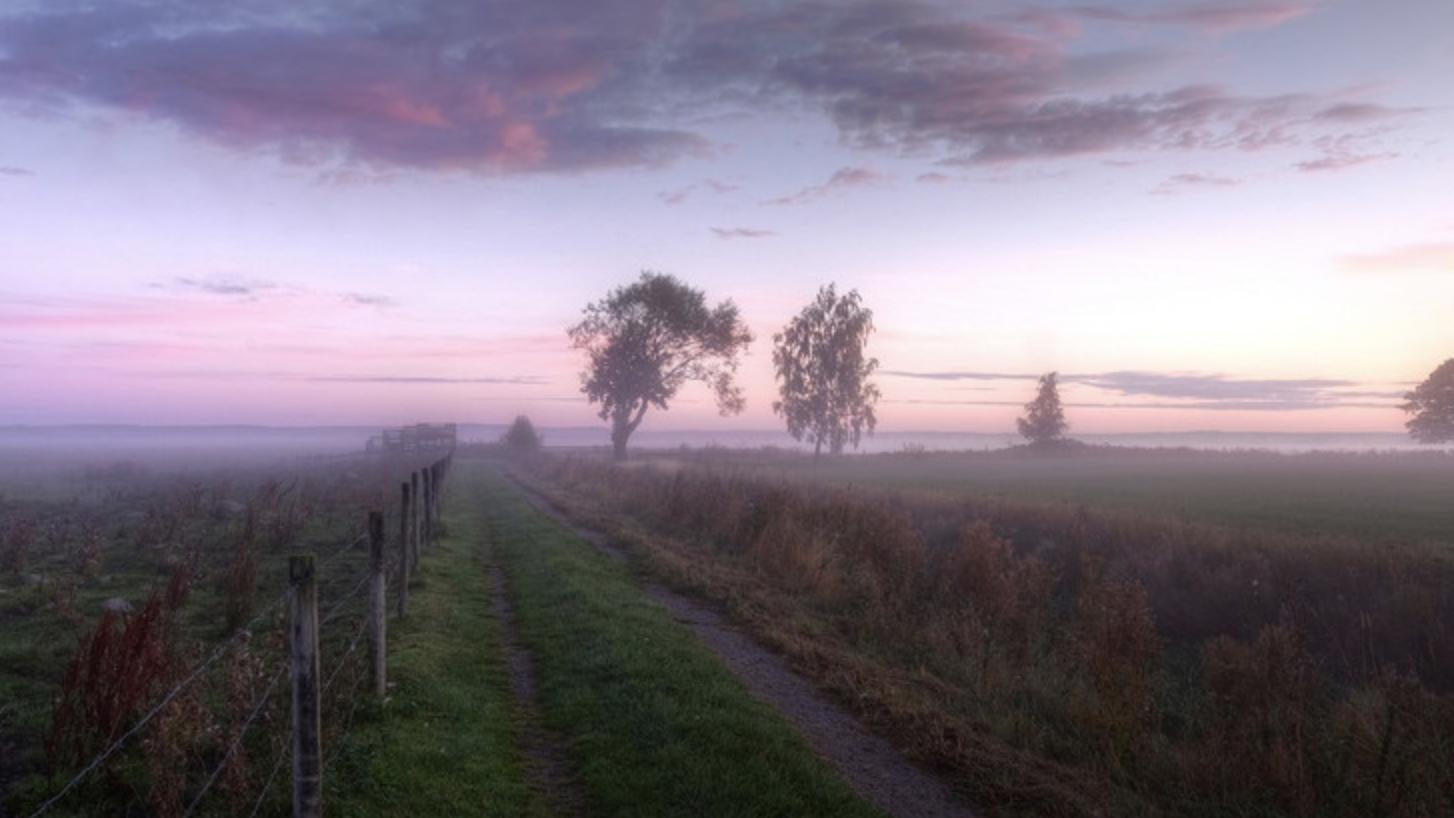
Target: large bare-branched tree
823, 375
1432, 406
1044, 420
646, 339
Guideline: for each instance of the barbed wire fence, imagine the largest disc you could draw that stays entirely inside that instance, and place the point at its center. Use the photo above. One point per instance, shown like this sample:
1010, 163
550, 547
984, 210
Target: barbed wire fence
418, 515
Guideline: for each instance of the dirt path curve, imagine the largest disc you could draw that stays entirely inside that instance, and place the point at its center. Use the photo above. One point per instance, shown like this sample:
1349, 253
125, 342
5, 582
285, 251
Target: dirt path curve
870, 765
548, 770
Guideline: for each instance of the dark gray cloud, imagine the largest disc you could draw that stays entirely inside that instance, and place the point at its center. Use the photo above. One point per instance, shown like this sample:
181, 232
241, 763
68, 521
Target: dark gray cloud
511, 86
742, 233
11, 170
1194, 390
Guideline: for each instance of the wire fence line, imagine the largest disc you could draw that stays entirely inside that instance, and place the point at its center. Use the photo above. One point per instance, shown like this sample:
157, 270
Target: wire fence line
267, 787
236, 742
421, 531
196, 672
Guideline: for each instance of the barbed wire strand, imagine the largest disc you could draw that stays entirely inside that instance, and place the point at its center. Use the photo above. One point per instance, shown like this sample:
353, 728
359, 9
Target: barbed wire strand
257, 709
343, 659
344, 600
283, 754
338, 742
343, 549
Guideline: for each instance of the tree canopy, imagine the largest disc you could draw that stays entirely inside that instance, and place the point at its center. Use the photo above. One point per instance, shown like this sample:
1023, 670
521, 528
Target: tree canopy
1431, 405
521, 437
1044, 420
823, 374
645, 340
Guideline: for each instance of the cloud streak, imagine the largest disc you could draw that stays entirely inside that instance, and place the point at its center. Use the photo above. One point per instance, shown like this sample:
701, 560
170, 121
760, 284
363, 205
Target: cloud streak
730, 233
681, 195
519, 380
1192, 390
1435, 257
842, 179
1214, 17
220, 285
1186, 181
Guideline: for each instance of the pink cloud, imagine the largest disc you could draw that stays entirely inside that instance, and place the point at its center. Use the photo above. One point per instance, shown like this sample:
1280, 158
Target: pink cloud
1426, 257
1213, 17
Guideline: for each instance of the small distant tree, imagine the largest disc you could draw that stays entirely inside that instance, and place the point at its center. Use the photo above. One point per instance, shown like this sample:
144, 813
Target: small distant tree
1432, 406
521, 437
823, 374
645, 340
1044, 420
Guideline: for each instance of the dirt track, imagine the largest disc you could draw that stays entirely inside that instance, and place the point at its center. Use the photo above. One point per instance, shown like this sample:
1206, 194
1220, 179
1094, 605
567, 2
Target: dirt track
869, 764
549, 772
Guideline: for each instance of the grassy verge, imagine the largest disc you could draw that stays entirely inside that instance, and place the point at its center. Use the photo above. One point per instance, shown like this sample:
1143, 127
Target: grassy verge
446, 742
656, 725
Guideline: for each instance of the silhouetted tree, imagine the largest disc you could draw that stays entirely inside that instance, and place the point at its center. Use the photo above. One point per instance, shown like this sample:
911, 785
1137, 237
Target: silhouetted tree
1432, 406
823, 374
646, 339
521, 437
1044, 419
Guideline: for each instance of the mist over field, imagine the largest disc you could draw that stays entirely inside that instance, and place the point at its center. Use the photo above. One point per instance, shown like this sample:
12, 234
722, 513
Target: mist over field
812, 408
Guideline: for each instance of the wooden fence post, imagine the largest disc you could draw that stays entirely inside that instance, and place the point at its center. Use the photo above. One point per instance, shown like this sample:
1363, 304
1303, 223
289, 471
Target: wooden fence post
415, 518
303, 649
404, 556
438, 469
428, 510
377, 604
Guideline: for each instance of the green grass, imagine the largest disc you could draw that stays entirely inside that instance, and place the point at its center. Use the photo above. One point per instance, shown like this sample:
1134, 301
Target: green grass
446, 743
1385, 497
655, 725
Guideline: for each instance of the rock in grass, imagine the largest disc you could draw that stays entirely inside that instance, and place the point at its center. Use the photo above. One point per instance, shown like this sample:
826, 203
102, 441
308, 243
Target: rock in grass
116, 605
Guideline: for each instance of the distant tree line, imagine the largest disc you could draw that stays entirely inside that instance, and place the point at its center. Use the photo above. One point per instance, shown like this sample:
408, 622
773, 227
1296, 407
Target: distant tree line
645, 340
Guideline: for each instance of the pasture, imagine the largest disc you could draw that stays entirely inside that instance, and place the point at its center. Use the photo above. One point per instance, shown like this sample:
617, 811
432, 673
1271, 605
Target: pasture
1369, 496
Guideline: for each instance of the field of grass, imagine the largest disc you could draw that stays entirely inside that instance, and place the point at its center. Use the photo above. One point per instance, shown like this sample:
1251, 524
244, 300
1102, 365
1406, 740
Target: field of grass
1381, 497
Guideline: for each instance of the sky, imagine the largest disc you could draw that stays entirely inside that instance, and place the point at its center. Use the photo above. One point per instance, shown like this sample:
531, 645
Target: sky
1230, 215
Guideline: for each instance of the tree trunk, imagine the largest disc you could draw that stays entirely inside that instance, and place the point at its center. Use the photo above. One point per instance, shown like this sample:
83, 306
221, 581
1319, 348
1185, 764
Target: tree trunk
817, 448
619, 434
